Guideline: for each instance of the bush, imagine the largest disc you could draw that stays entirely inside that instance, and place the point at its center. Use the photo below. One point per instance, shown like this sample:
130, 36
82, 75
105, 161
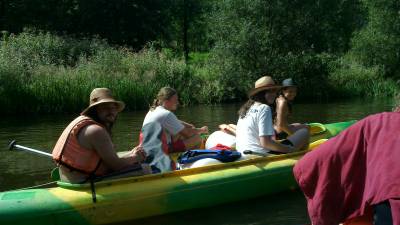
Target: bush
259, 37
350, 79
41, 72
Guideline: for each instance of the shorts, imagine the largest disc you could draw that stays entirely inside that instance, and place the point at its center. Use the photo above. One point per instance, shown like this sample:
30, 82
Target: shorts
284, 142
281, 135
383, 214
287, 142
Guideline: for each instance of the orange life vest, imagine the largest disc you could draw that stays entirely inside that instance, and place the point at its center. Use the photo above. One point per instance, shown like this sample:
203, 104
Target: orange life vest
70, 153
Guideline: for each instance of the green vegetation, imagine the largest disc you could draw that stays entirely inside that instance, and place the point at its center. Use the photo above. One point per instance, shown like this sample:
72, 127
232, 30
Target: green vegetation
46, 73
372, 65
210, 51
255, 37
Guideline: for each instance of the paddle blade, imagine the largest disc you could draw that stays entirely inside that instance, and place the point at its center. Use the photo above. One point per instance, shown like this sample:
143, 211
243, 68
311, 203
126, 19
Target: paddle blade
55, 174
12, 144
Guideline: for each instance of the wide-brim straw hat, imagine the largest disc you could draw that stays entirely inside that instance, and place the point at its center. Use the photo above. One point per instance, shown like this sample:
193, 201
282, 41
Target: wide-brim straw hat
100, 96
264, 83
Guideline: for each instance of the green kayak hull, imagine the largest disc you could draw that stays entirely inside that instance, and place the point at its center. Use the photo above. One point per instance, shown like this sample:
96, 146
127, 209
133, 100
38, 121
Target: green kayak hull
139, 197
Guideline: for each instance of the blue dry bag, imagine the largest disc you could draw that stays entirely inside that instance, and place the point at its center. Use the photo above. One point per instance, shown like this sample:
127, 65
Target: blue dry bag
221, 155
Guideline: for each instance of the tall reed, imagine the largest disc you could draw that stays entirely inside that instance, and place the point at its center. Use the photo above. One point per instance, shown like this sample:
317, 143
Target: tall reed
40, 72
351, 79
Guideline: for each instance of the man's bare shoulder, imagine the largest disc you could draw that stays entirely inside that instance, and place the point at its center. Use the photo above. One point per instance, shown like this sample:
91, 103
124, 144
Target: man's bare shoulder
94, 130
92, 135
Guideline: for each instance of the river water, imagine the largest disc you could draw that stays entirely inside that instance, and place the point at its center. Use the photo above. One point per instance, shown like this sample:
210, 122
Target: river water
21, 169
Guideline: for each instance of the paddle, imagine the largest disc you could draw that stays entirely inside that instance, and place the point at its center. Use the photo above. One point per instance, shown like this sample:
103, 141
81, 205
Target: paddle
13, 144
54, 173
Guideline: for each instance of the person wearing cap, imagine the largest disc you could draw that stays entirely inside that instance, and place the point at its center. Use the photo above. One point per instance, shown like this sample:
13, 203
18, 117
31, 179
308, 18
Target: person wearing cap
85, 149
255, 131
284, 109
180, 135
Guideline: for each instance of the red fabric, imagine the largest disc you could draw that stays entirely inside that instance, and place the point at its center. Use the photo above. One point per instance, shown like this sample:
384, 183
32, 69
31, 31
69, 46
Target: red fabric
366, 219
395, 207
178, 146
165, 147
352, 171
221, 147
154, 139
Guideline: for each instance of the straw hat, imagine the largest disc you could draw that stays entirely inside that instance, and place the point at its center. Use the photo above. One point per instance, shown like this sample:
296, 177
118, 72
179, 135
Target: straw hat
264, 83
102, 95
288, 83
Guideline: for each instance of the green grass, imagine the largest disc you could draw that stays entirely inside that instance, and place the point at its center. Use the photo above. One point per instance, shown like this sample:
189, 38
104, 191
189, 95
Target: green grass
351, 79
44, 73
40, 72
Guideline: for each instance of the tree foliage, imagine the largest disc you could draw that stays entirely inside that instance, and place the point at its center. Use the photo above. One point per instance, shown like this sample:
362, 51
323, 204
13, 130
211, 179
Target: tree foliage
282, 38
228, 43
378, 43
125, 22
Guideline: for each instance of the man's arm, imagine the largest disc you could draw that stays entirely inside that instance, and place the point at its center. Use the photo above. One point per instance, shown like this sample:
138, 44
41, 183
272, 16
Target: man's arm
188, 132
228, 128
99, 140
186, 124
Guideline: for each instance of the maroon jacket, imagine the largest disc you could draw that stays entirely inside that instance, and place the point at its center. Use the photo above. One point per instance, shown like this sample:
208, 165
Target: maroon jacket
352, 171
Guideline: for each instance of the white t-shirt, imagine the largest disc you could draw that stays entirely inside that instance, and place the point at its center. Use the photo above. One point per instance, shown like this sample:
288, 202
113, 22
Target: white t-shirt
167, 119
256, 123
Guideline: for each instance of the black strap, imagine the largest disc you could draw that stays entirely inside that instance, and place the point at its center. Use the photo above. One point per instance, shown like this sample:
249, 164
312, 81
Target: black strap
71, 168
81, 171
250, 152
92, 178
136, 167
92, 188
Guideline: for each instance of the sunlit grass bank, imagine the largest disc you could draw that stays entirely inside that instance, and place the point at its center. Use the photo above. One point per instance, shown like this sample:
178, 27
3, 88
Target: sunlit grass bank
47, 73
41, 72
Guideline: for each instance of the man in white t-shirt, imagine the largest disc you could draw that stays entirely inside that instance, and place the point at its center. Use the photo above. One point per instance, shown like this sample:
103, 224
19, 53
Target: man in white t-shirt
180, 135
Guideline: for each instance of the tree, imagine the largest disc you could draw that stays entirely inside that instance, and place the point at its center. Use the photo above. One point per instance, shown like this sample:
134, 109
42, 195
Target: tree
125, 22
282, 38
378, 43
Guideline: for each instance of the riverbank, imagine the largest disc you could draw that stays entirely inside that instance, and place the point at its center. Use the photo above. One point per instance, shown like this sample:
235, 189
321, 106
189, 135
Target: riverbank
46, 73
